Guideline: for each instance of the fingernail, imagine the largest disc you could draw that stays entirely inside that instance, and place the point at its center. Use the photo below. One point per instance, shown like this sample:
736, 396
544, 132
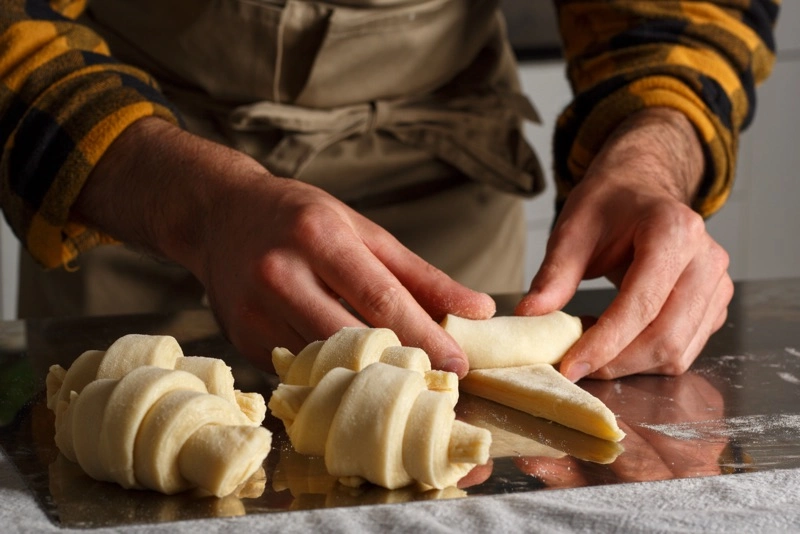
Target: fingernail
455, 365
577, 370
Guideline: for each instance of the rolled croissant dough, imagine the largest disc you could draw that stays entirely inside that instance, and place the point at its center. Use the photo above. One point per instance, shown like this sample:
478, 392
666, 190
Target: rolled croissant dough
514, 341
375, 411
380, 424
143, 415
511, 360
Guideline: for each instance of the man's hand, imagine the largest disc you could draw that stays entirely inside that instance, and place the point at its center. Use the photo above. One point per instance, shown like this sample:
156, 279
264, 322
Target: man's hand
629, 220
277, 257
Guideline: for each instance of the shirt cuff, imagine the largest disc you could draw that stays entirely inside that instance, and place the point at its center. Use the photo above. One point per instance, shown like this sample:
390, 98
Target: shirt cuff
580, 136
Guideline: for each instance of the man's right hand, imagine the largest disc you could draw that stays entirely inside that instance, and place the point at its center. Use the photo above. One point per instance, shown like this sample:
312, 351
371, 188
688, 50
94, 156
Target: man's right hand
277, 257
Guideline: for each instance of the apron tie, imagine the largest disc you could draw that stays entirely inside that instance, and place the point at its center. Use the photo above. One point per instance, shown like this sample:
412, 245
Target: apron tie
470, 133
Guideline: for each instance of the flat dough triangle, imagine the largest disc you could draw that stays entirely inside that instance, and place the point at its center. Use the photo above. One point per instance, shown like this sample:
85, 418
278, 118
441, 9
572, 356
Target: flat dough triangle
540, 390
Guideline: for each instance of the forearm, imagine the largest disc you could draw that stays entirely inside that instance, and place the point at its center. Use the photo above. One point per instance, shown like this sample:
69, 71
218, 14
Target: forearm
64, 100
158, 188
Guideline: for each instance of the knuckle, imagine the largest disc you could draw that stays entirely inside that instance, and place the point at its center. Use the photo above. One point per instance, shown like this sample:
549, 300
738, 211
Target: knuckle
605, 373
647, 304
667, 356
380, 301
720, 320
693, 222
696, 309
720, 258
727, 289
675, 367
274, 271
309, 227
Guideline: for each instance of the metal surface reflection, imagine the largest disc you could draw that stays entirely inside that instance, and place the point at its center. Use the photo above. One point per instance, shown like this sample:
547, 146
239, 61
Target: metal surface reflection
736, 410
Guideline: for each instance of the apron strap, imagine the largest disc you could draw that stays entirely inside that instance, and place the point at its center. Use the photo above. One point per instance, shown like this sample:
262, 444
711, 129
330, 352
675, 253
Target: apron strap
470, 133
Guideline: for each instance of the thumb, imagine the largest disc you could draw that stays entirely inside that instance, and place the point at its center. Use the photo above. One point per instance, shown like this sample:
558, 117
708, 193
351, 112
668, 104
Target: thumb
557, 279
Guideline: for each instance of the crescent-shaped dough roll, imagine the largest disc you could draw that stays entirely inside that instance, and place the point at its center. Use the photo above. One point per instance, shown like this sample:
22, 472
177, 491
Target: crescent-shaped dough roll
309, 433
352, 348
128, 416
63, 435
252, 405
293, 369
427, 453
135, 350
219, 458
412, 358
132, 398
82, 371
514, 341
87, 417
366, 435
214, 373
542, 391
167, 426
364, 408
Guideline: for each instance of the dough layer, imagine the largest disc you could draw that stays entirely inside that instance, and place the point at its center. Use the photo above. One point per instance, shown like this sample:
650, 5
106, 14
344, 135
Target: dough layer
143, 415
514, 341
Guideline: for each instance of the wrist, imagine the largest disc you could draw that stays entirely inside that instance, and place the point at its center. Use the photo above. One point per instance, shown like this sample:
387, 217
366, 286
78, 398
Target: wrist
663, 146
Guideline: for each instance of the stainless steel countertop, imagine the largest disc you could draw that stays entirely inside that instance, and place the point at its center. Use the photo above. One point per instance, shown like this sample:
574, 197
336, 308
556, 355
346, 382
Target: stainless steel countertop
735, 411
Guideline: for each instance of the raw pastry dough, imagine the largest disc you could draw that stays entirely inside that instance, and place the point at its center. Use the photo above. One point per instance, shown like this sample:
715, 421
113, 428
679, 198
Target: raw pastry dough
542, 391
145, 416
381, 424
514, 341
515, 433
353, 348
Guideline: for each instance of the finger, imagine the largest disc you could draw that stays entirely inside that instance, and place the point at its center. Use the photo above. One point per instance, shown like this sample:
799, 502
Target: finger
252, 342
658, 263
434, 290
251, 336
312, 309
569, 251
375, 293
673, 340
722, 298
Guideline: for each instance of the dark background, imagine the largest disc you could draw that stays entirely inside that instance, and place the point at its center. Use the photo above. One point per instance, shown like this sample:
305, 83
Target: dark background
532, 28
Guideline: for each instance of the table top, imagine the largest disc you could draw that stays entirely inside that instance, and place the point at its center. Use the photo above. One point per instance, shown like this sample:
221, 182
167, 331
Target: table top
736, 411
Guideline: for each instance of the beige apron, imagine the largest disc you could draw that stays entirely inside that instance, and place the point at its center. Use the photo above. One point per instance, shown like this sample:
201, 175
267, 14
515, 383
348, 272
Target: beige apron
409, 111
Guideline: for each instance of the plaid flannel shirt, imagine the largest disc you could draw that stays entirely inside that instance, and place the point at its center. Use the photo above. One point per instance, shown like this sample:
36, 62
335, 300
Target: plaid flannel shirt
702, 58
64, 100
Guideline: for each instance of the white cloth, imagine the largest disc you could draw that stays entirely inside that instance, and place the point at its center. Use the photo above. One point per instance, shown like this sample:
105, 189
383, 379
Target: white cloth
754, 502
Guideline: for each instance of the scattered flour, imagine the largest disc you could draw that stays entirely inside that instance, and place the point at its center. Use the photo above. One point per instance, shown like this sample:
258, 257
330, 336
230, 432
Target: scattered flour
793, 351
779, 425
789, 377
